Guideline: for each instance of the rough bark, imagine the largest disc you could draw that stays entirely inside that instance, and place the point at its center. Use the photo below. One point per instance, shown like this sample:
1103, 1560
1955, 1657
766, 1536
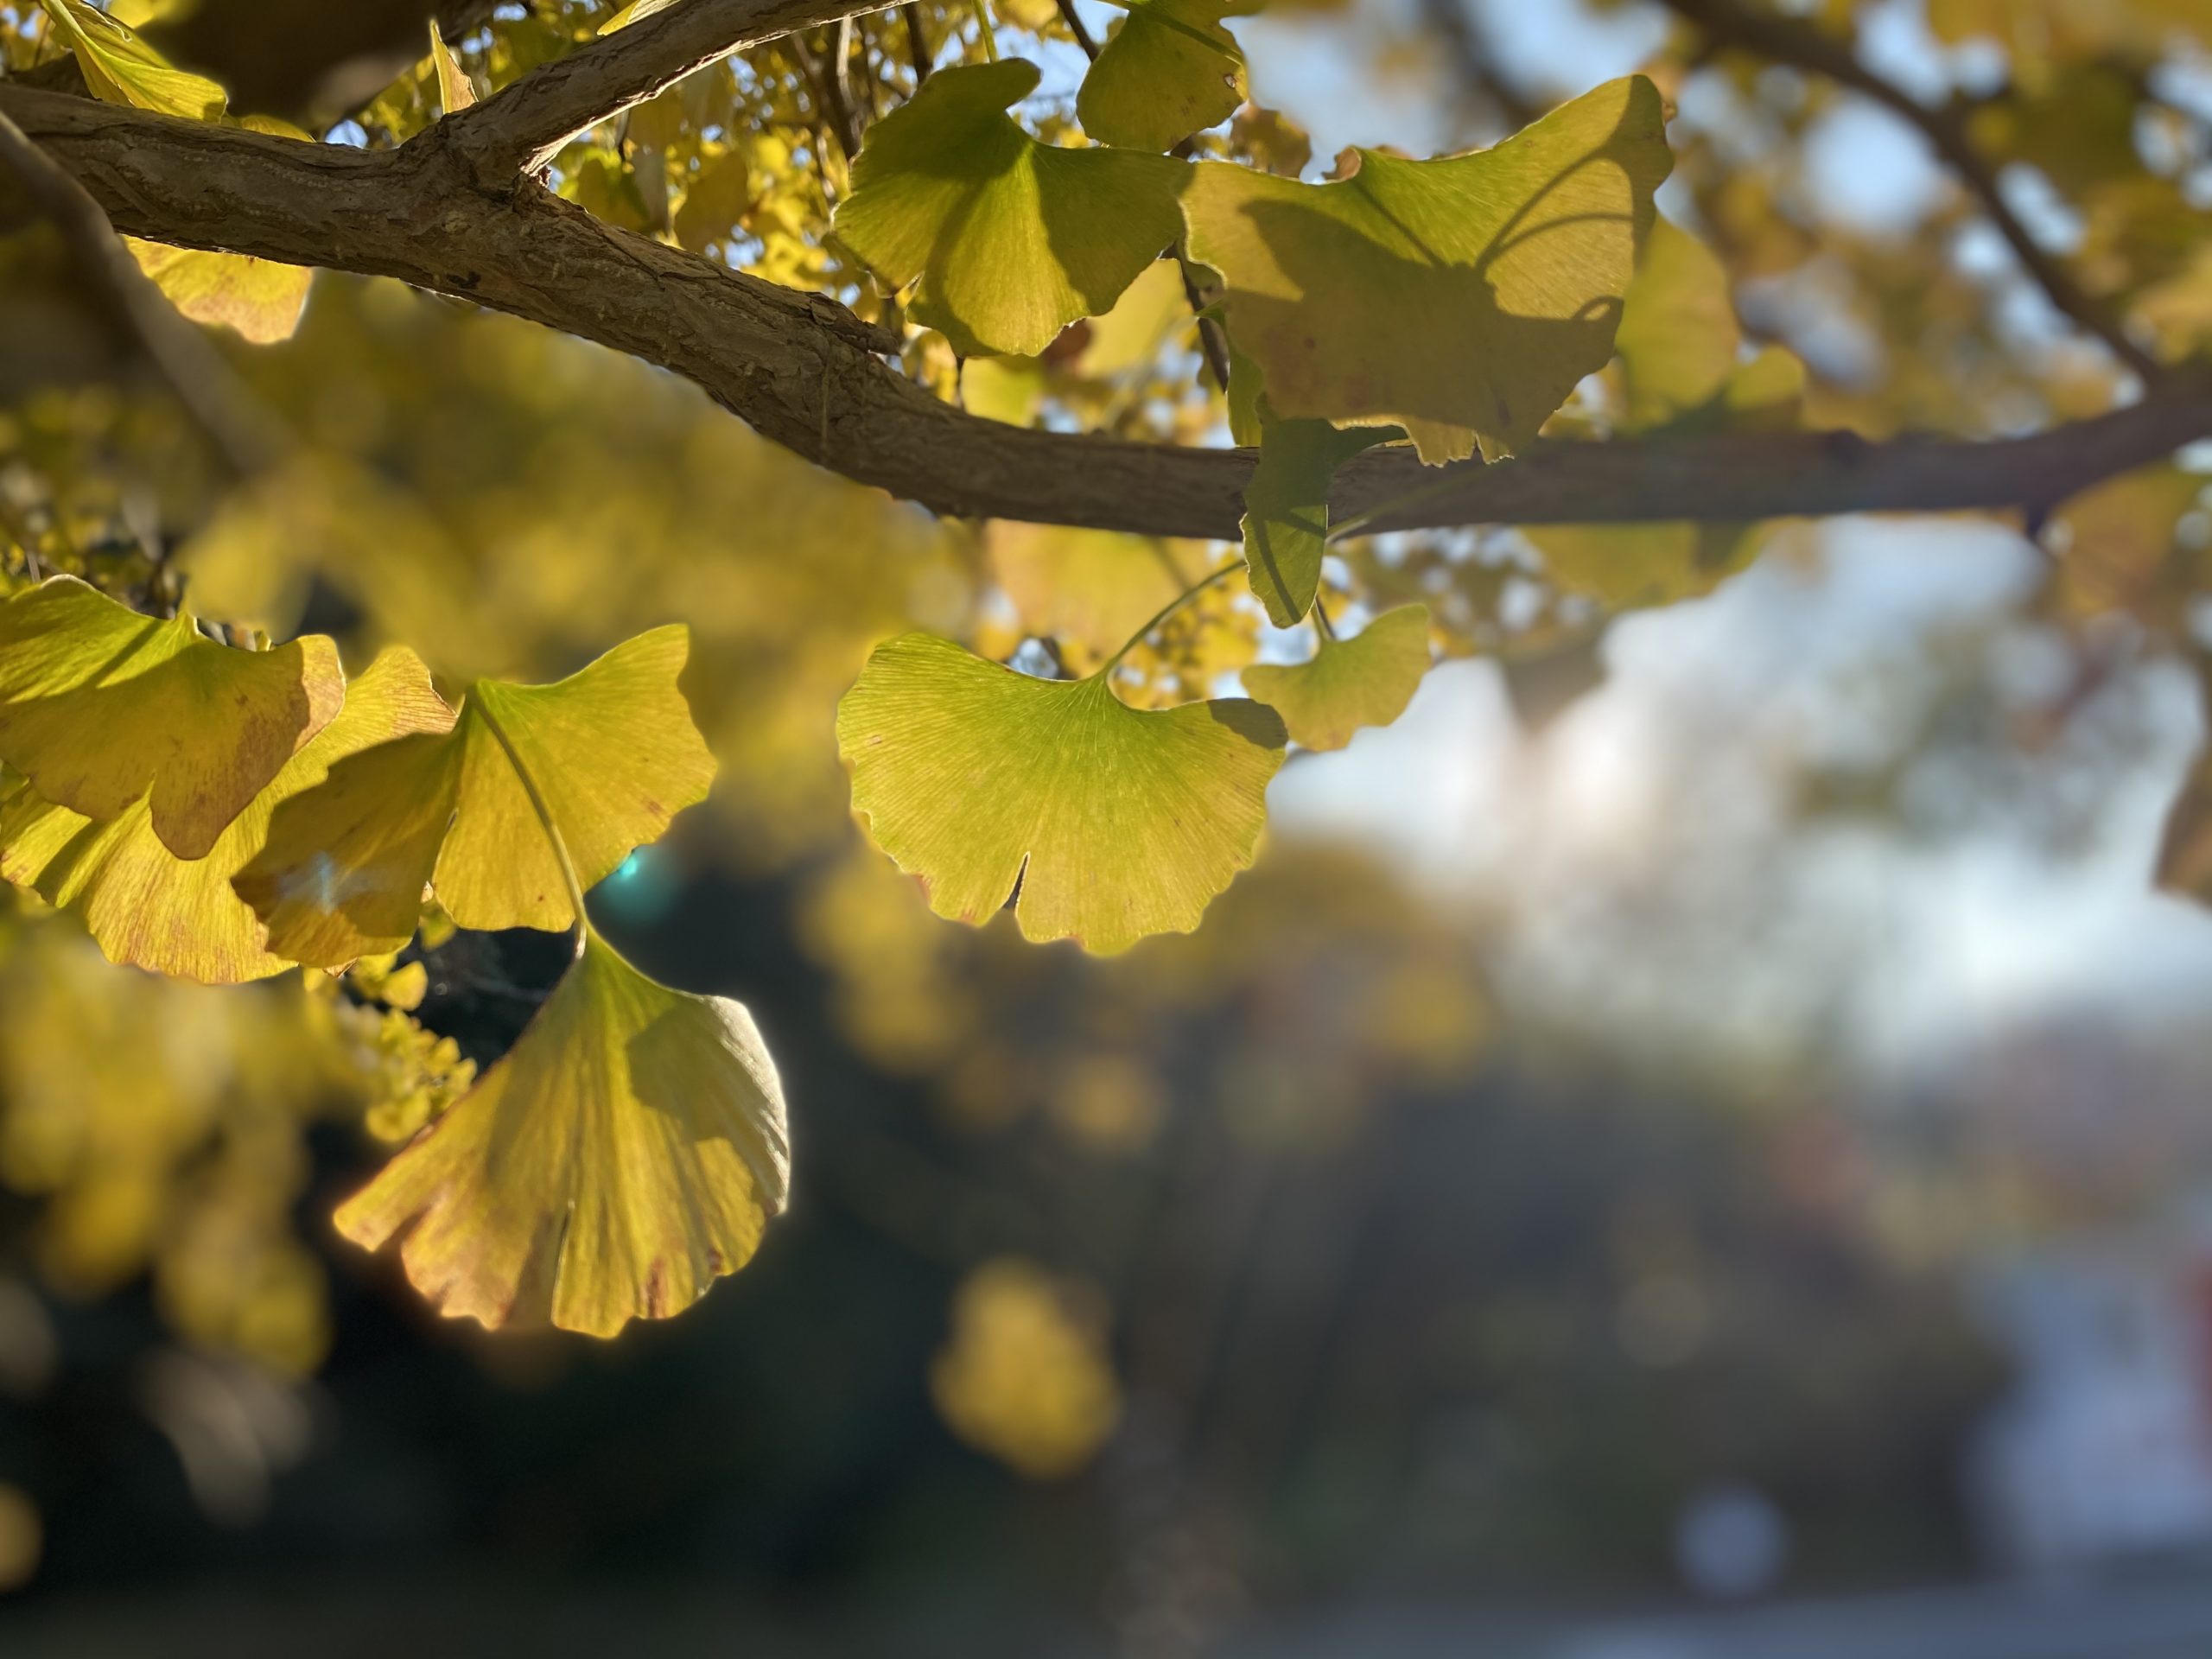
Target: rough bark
803, 370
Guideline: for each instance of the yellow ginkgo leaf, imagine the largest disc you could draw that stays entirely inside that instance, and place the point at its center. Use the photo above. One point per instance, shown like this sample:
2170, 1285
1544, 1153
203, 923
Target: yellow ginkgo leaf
627, 1151
262, 299
456, 89
1461, 298
121, 69
259, 298
1346, 684
610, 752
1114, 822
101, 706
151, 909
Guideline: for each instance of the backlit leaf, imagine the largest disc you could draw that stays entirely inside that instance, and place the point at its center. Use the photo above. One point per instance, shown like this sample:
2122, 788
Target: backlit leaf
1460, 298
1678, 334
149, 908
1090, 589
1346, 684
630, 1149
1286, 520
611, 750
1630, 566
260, 298
456, 89
1115, 823
1169, 70
717, 200
121, 69
1010, 240
101, 706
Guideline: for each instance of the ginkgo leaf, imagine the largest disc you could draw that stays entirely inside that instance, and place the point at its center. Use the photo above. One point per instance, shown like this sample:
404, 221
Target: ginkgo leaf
1169, 70
1460, 298
261, 299
1114, 822
1632, 566
611, 752
1346, 684
121, 69
1011, 239
630, 1149
715, 201
456, 89
101, 706
151, 909
1090, 589
636, 12
1678, 334
1285, 521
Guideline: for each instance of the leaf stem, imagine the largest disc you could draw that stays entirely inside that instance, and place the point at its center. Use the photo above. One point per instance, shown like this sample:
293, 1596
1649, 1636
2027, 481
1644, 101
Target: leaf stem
985, 30
1168, 610
1453, 479
544, 819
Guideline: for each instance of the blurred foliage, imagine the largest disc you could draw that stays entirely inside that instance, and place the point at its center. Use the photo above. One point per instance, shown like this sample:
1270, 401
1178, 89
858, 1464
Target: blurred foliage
1296, 1254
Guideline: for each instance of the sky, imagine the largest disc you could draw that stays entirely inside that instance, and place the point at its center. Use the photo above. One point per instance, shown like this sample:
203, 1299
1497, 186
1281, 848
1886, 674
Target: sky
1926, 947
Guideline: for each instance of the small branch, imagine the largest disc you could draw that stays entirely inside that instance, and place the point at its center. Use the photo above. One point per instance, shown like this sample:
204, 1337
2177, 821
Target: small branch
1075, 28
828, 98
1783, 39
917, 40
522, 127
804, 372
196, 374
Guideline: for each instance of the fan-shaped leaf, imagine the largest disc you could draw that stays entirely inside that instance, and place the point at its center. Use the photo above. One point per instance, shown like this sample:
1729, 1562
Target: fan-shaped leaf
1460, 298
101, 706
611, 751
120, 68
627, 1151
151, 909
1170, 69
1286, 510
1011, 239
260, 298
1115, 823
1367, 680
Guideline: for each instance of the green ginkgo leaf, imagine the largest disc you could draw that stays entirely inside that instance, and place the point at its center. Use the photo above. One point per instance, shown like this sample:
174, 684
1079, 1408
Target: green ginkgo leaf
1011, 239
1678, 336
630, 1149
1460, 298
1113, 823
1346, 684
151, 909
1286, 510
121, 69
101, 706
1170, 70
611, 752
1631, 566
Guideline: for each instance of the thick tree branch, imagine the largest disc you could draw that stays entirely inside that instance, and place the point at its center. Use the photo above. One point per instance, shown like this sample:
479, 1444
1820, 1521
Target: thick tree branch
805, 373
1784, 40
522, 126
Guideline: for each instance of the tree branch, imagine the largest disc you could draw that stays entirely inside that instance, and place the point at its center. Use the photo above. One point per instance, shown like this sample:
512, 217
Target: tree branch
1784, 40
805, 373
522, 127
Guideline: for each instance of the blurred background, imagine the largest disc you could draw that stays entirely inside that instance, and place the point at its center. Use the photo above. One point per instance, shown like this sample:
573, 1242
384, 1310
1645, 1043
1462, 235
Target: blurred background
1693, 1142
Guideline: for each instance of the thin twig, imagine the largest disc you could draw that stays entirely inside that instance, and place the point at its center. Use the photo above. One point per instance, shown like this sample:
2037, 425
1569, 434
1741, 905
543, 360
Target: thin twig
1784, 40
1075, 28
197, 375
917, 40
